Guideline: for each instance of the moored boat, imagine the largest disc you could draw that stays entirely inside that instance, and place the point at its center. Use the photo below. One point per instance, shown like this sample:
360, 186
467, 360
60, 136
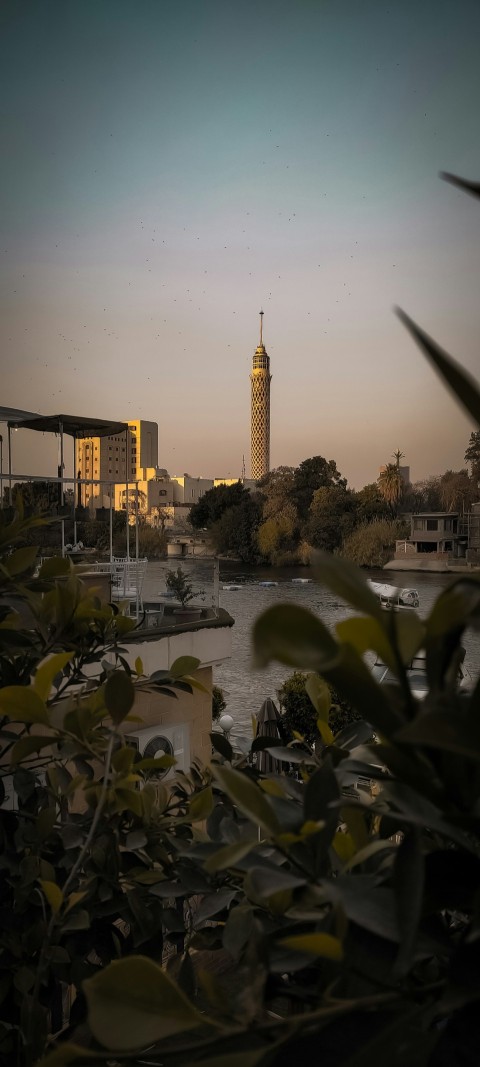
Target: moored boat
392, 598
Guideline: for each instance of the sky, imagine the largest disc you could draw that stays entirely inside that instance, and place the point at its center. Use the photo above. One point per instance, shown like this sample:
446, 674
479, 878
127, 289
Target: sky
172, 166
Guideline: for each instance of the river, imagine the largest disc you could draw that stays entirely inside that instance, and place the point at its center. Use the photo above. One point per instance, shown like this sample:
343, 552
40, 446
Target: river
245, 688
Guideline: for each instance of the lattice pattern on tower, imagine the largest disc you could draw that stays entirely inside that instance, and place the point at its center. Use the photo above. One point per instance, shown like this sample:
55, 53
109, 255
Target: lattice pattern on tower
260, 412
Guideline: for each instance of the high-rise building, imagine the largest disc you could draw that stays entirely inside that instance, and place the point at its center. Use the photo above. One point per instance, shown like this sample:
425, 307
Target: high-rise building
123, 457
260, 416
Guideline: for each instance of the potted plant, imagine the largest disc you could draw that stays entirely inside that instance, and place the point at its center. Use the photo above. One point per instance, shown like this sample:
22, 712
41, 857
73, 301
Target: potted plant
179, 586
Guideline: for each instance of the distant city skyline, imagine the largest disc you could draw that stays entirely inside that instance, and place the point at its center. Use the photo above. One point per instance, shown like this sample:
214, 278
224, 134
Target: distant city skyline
169, 169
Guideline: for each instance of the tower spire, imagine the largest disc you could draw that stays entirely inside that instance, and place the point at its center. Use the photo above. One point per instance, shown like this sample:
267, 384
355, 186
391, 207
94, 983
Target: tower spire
261, 328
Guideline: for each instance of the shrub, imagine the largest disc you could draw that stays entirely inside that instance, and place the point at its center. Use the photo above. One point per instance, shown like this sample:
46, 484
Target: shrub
373, 543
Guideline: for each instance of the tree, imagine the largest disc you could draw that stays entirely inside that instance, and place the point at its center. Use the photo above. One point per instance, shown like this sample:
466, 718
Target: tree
391, 486
373, 543
311, 475
276, 489
370, 504
423, 495
472, 455
299, 715
457, 490
214, 502
331, 517
277, 536
218, 702
235, 532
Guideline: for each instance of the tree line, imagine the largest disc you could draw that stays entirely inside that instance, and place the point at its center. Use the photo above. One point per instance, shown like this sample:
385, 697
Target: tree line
297, 509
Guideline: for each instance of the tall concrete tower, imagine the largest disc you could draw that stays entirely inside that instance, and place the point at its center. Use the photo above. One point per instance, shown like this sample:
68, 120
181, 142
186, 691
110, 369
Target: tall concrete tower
260, 418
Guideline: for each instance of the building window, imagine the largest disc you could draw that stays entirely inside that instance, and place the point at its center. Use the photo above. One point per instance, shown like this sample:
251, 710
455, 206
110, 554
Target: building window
432, 524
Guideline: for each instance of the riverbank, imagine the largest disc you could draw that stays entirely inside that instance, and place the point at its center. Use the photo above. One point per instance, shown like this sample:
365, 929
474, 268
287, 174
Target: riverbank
431, 566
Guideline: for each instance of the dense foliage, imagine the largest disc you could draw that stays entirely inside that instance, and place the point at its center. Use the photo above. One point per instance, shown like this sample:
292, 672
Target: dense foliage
300, 509
332, 915
71, 810
299, 715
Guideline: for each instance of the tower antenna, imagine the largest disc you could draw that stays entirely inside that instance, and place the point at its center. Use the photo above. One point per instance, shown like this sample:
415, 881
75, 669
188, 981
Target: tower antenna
261, 327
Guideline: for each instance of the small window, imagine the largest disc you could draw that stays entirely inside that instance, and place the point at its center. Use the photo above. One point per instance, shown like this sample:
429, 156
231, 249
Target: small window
432, 524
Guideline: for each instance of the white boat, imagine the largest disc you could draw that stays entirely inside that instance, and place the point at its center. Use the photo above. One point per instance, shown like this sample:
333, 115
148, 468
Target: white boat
230, 587
267, 584
392, 598
301, 581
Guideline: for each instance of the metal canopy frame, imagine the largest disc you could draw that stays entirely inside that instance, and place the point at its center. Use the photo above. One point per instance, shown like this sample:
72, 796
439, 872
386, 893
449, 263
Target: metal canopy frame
78, 427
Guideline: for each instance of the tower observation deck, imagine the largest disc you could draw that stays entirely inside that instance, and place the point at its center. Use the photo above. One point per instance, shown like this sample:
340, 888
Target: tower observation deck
260, 412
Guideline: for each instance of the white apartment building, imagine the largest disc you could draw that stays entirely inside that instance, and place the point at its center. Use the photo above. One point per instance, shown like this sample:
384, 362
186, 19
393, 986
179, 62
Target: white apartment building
188, 490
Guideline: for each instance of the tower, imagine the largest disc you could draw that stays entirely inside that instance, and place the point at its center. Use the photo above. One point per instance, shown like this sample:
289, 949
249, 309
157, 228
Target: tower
260, 417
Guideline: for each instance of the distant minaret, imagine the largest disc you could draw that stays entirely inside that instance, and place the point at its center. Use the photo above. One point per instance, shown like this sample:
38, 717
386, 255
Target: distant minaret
260, 420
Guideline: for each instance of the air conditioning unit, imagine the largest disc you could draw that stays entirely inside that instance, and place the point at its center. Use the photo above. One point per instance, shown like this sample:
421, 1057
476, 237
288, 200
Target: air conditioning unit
171, 740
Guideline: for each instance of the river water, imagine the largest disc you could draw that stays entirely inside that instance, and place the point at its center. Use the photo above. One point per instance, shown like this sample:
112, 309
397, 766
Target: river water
245, 688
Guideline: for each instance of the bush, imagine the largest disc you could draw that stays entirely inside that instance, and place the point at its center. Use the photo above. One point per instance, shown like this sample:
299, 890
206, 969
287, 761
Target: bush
373, 543
152, 542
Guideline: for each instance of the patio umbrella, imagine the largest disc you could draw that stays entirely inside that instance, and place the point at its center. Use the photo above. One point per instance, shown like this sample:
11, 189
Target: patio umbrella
269, 725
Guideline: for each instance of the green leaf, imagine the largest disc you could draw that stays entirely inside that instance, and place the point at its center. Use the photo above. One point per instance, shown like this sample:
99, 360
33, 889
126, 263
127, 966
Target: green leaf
454, 606
320, 696
294, 636
221, 745
238, 1059
21, 560
467, 187
366, 634
229, 856
324, 945
119, 696
133, 1004
264, 882
73, 900
67, 1053
54, 568
442, 730
354, 681
459, 381
184, 665
53, 894
139, 666
408, 880
347, 582
47, 671
123, 758
247, 796
26, 746
23, 705
201, 805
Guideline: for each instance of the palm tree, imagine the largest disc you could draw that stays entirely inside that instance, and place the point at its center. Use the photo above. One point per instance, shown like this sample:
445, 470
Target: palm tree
390, 484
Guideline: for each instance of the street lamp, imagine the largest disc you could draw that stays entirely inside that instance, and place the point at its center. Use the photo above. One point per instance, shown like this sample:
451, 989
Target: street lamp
225, 723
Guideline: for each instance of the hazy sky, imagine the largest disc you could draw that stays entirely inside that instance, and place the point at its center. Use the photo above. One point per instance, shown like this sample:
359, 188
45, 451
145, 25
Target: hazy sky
170, 167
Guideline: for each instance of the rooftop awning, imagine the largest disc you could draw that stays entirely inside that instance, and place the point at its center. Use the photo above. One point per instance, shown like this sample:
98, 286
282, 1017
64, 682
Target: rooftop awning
74, 425
13, 414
